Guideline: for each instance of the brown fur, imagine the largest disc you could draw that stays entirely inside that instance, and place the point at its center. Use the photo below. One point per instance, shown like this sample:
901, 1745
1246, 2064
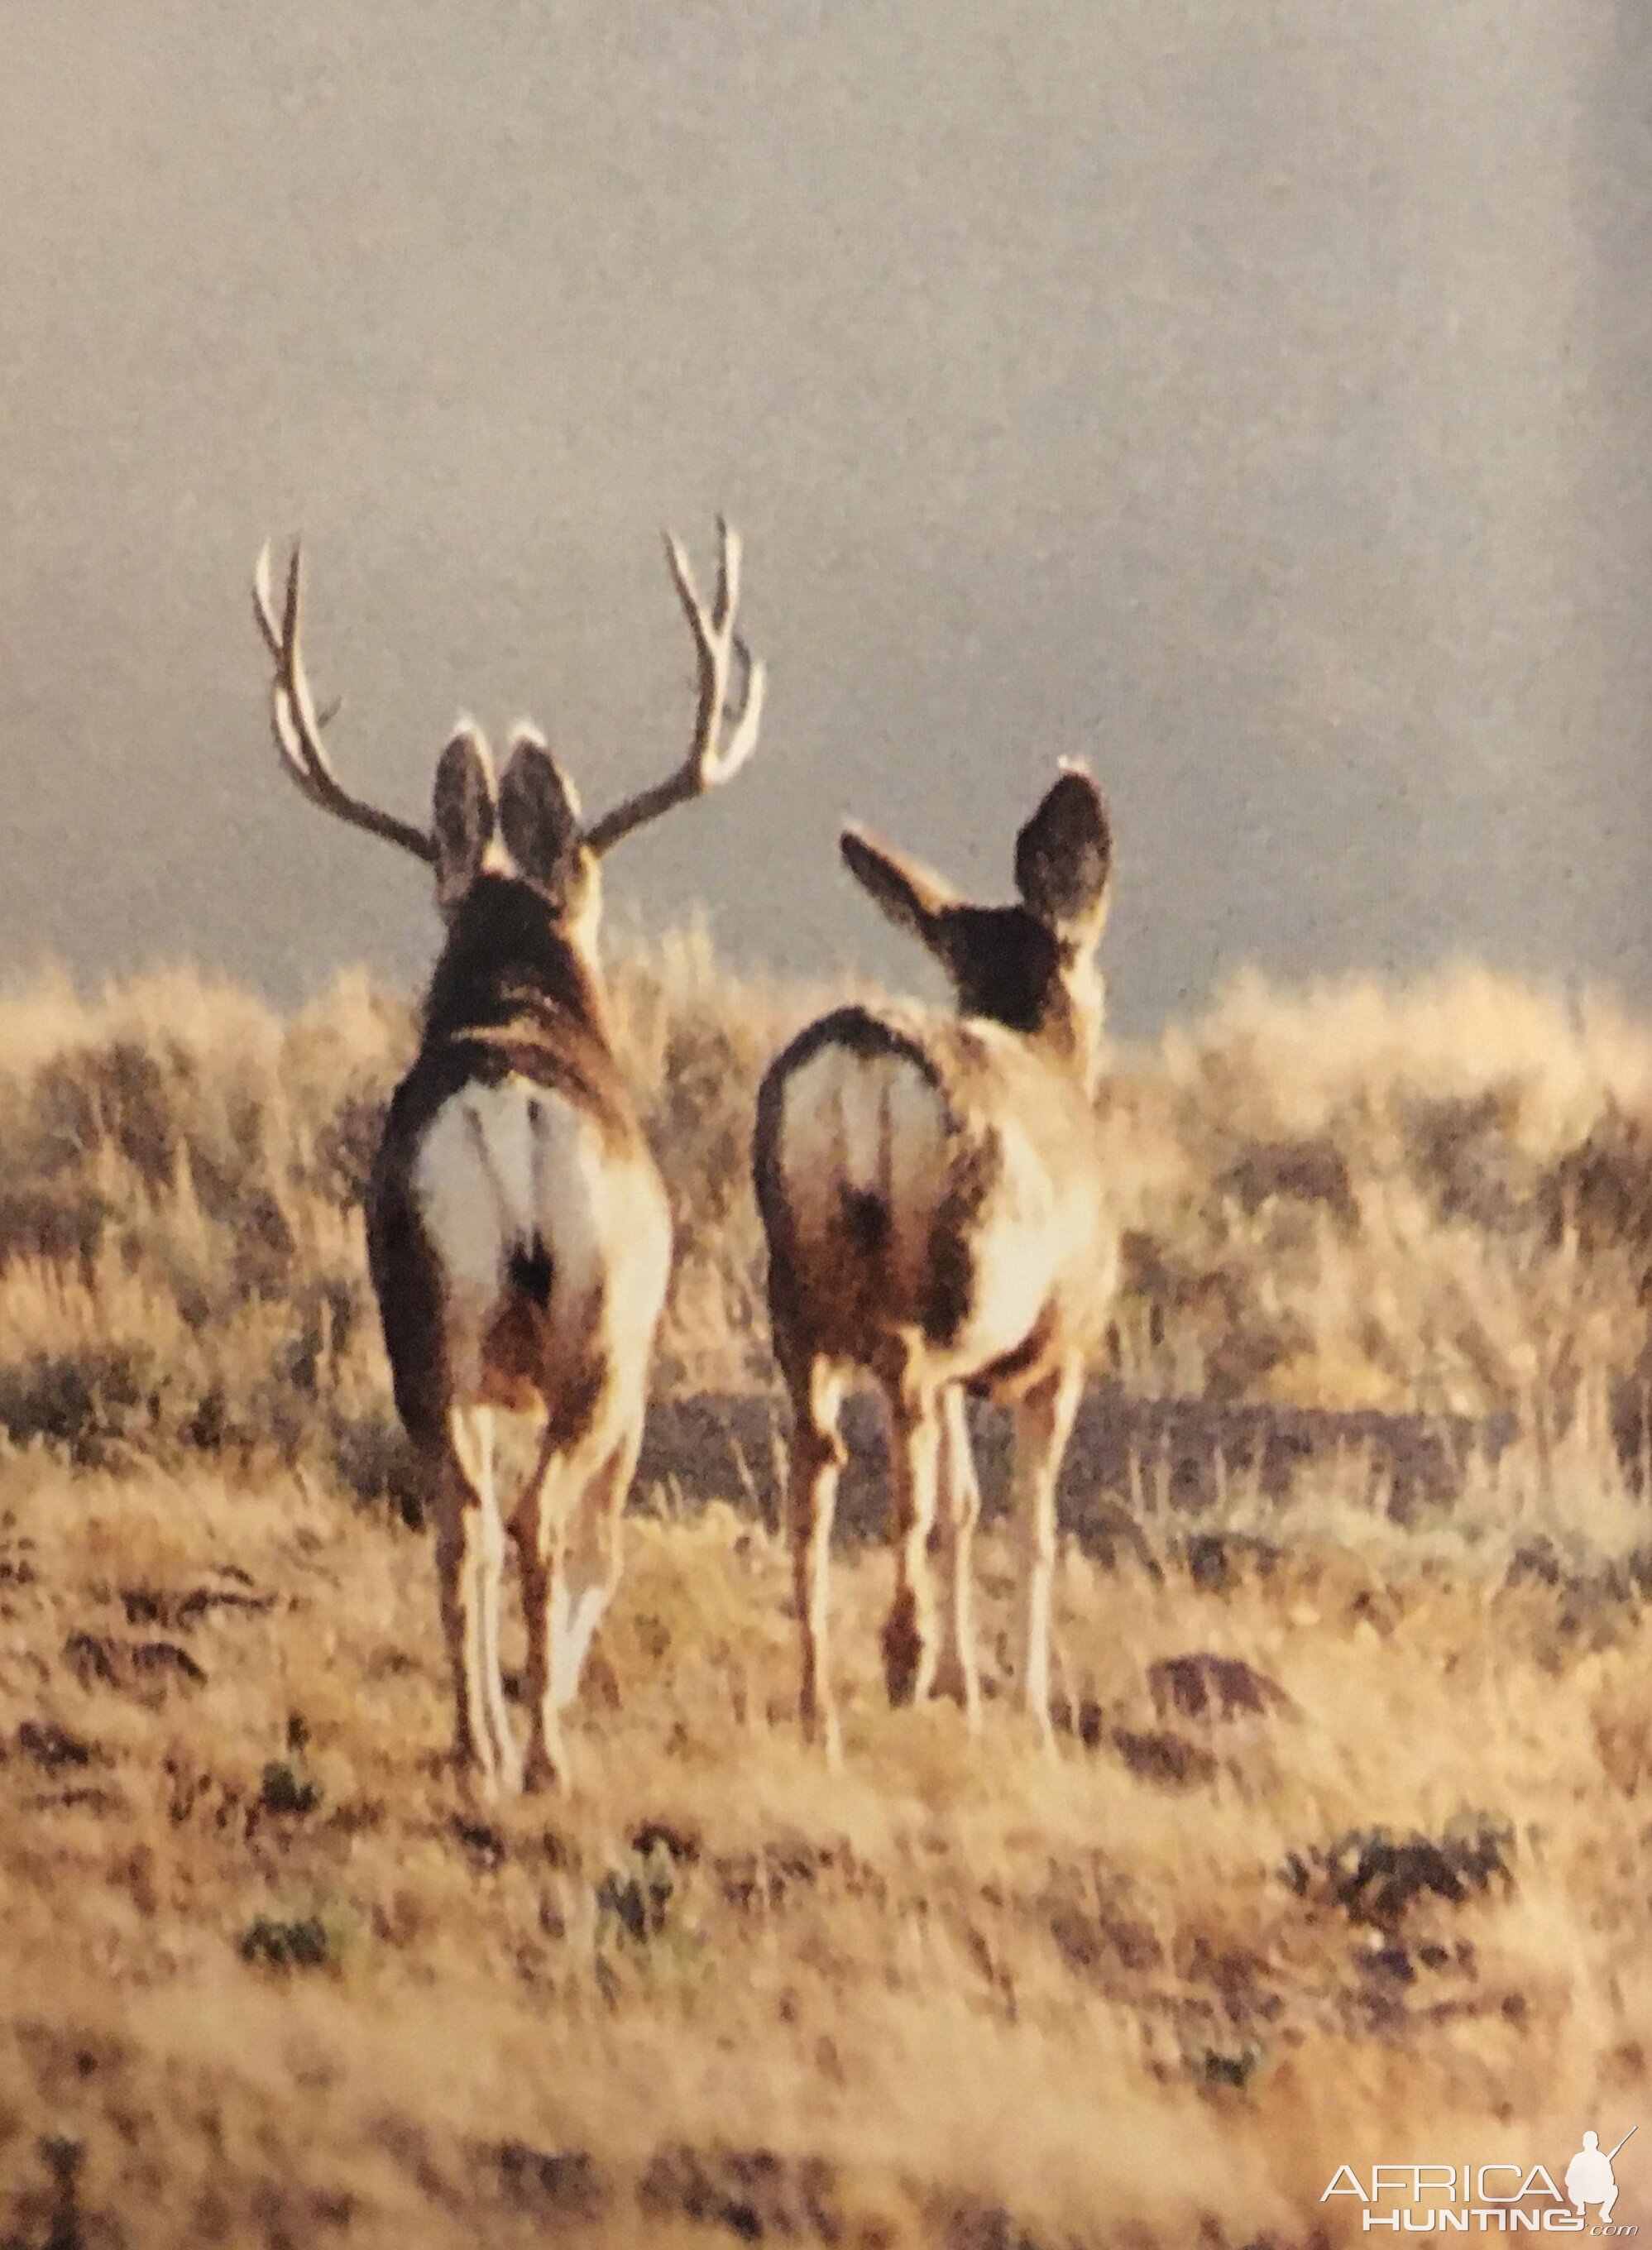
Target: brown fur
515, 1005
511, 997
514, 997
1012, 1200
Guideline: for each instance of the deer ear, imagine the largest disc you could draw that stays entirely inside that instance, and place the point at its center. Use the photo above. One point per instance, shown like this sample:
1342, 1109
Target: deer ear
1064, 859
538, 813
914, 899
463, 810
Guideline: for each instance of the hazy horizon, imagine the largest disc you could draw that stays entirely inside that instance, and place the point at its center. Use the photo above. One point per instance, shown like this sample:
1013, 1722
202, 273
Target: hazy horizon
1254, 401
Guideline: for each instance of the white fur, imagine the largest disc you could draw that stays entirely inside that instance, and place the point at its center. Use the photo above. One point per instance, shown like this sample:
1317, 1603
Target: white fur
502, 1166
498, 1168
577, 1610
867, 1124
1018, 1255
876, 1124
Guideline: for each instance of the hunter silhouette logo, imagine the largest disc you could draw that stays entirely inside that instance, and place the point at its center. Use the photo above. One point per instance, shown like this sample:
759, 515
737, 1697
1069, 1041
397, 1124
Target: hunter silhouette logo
1500, 2198
1589, 2175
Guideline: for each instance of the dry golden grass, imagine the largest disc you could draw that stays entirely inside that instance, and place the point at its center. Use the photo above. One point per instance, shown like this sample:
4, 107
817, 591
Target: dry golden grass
274, 1983
1440, 1199
263, 1980
182, 1264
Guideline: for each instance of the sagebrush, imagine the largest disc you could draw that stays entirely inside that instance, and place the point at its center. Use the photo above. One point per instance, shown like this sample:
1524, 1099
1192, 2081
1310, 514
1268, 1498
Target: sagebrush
1438, 1199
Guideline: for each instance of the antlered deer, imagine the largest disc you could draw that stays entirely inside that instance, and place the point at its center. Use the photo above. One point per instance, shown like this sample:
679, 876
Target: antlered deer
518, 1232
934, 1202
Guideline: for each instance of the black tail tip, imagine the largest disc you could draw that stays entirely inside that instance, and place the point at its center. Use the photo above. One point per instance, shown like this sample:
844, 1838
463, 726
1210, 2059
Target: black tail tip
530, 1272
865, 1216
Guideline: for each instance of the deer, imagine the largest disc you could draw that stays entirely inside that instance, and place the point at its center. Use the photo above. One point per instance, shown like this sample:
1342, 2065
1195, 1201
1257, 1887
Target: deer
519, 1234
933, 1194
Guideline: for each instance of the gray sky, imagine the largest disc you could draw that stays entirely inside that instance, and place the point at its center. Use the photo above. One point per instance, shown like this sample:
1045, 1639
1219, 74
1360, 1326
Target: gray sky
1250, 395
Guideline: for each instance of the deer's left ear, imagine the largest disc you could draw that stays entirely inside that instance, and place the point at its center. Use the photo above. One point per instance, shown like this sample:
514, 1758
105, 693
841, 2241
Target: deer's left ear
1064, 859
463, 808
538, 813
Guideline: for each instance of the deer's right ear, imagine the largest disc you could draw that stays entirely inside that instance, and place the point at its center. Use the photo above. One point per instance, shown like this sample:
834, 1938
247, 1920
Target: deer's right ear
538, 813
913, 898
1064, 859
463, 812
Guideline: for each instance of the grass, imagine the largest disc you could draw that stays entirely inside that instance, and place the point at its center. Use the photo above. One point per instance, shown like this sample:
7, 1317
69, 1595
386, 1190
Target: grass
1343, 1856
1437, 1198
1152, 1991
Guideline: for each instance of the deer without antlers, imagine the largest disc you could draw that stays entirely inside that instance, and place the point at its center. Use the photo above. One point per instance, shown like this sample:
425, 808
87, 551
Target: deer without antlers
932, 1192
518, 1232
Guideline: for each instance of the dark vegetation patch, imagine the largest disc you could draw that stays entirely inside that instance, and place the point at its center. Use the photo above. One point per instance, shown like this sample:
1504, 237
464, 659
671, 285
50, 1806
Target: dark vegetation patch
1376, 1877
142, 1667
324, 1938
52, 1748
1203, 1685
561, 2184
1170, 1760
752, 2194
176, 1610
286, 1787
272, 1944
485, 1848
643, 1898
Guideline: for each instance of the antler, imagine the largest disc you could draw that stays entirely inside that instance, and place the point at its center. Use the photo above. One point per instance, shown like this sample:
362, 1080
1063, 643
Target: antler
717, 644
298, 724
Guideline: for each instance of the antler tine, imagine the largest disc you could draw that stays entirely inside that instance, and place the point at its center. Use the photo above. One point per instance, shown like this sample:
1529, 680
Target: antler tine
264, 605
298, 725
728, 555
263, 612
742, 738
711, 761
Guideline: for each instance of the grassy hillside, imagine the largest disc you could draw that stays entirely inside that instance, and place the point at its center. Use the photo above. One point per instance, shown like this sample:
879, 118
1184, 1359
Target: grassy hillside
1343, 1856
1440, 1198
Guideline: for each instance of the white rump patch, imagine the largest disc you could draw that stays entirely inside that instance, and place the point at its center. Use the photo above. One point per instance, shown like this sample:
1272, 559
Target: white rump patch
855, 1124
501, 1167
873, 1125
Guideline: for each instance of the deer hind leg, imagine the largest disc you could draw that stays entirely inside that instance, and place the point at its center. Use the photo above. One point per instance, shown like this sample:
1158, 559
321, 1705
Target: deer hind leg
1043, 1423
567, 1530
470, 1559
591, 1566
536, 1526
817, 1460
960, 1507
915, 1460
